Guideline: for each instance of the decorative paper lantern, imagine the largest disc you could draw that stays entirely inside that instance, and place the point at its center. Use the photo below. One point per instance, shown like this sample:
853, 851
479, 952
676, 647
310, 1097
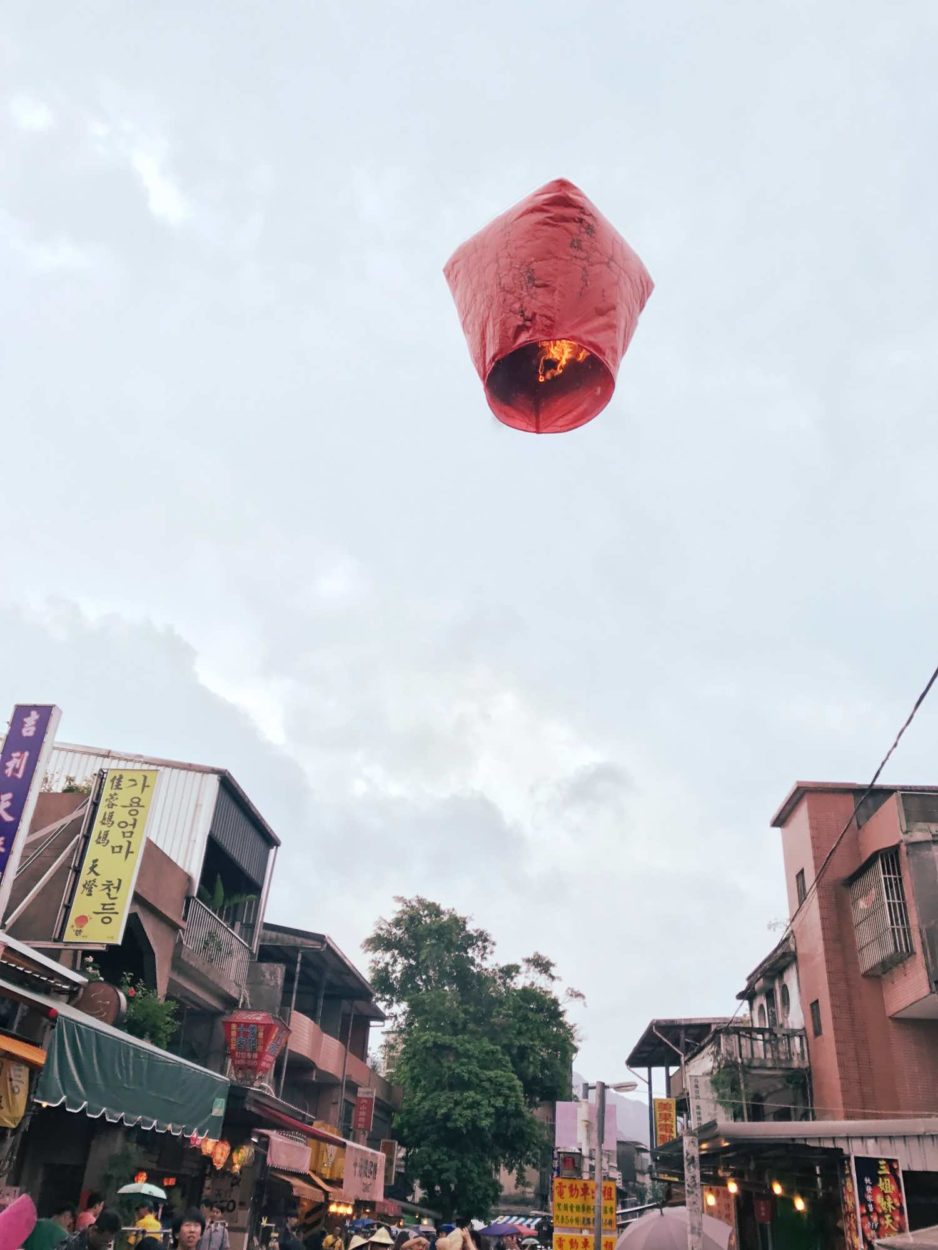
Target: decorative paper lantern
242, 1157
208, 1145
220, 1154
549, 295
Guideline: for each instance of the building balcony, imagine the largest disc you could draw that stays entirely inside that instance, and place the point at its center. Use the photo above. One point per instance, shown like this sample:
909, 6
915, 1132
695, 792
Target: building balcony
331, 1062
214, 951
761, 1048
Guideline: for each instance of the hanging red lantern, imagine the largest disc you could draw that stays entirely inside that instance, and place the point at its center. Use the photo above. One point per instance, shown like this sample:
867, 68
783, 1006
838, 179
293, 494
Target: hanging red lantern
549, 295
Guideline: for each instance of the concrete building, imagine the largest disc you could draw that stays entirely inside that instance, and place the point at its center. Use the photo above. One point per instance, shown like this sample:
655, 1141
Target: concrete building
330, 1009
867, 943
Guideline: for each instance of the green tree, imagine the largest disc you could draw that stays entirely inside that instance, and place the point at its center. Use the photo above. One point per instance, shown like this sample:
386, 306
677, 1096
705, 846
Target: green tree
475, 1047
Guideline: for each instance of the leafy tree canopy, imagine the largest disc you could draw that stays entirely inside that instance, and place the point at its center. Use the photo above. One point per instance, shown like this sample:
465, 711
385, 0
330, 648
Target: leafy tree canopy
475, 1046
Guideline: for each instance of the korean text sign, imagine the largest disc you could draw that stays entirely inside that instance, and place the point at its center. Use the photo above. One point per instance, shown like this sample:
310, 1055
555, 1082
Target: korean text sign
19, 760
665, 1120
109, 867
574, 1204
880, 1198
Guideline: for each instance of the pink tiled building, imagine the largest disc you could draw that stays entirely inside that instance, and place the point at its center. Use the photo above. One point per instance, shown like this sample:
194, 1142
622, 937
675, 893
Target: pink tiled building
867, 944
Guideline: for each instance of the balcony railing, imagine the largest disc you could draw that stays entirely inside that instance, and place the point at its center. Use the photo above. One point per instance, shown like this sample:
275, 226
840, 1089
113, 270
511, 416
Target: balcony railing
213, 943
762, 1048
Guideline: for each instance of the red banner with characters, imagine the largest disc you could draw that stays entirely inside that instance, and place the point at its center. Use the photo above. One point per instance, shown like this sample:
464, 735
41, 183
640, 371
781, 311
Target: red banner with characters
880, 1197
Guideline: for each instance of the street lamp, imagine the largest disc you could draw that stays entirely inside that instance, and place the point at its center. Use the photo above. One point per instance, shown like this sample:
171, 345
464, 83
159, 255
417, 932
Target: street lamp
621, 1087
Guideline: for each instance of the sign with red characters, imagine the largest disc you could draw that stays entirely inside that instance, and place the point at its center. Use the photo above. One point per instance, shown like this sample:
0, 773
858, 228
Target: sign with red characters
880, 1197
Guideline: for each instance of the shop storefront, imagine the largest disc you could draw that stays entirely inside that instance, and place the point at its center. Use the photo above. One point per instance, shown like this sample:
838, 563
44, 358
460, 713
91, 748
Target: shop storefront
106, 1106
842, 1184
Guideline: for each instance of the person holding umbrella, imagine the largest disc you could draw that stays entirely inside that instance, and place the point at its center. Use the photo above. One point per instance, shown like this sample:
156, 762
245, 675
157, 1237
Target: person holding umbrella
146, 1221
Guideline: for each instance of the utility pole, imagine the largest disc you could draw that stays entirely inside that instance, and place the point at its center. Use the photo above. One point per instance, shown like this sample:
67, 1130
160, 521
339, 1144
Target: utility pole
692, 1191
598, 1172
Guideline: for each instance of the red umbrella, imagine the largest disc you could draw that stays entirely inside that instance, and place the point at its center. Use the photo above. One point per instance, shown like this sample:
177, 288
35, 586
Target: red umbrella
549, 295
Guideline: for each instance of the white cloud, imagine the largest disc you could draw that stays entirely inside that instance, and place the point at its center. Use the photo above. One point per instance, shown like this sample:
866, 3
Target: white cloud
31, 114
164, 198
561, 683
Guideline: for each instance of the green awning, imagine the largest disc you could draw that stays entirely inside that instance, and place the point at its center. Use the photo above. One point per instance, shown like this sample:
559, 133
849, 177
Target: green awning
99, 1070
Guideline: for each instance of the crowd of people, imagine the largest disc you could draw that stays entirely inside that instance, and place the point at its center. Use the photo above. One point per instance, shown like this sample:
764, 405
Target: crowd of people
98, 1227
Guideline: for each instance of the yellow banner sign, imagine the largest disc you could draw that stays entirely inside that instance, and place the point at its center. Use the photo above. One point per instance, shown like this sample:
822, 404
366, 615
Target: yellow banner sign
112, 858
665, 1120
582, 1241
574, 1205
326, 1159
14, 1090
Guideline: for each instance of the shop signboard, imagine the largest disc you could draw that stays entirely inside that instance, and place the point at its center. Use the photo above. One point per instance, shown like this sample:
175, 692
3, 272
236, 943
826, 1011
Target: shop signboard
363, 1179
665, 1120
111, 860
848, 1196
23, 759
388, 1148
575, 1202
14, 1091
581, 1241
363, 1117
327, 1159
254, 1040
880, 1198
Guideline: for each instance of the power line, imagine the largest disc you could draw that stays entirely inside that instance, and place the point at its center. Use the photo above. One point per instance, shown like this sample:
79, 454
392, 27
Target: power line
812, 889
825, 862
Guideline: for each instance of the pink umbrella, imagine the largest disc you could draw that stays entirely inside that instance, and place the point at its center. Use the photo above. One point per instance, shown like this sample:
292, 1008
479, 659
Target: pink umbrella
17, 1222
666, 1229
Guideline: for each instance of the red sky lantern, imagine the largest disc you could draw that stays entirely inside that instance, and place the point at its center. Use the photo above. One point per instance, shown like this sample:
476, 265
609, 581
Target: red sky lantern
549, 295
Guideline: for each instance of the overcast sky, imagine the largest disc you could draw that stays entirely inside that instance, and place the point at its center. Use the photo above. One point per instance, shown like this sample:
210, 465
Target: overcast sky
257, 513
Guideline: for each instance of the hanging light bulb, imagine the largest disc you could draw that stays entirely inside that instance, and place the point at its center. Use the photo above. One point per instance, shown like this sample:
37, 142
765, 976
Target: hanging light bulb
799, 1202
777, 1188
732, 1186
711, 1198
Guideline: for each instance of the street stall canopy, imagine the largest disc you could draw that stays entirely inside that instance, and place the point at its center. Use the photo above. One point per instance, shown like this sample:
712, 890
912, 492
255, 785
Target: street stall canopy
97, 1069
301, 1188
549, 295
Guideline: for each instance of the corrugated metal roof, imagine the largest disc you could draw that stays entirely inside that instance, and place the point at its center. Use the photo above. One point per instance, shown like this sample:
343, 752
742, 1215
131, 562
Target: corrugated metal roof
183, 802
914, 1142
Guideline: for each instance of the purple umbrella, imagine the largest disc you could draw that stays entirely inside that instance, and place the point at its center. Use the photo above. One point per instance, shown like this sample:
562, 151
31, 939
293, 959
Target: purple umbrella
666, 1229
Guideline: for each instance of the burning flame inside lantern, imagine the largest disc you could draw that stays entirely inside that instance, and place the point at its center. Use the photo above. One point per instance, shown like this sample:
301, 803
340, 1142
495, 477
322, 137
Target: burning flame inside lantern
554, 356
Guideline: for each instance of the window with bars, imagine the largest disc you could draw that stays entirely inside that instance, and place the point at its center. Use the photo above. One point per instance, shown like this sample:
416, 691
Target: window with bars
880, 915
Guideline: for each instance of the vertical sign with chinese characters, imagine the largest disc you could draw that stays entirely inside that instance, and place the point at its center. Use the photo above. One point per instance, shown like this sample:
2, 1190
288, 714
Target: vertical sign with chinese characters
22, 764
363, 1117
880, 1197
665, 1120
109, 866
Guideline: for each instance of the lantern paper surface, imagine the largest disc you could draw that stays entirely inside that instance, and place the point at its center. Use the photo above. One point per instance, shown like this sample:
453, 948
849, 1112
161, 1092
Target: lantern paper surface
549, 295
